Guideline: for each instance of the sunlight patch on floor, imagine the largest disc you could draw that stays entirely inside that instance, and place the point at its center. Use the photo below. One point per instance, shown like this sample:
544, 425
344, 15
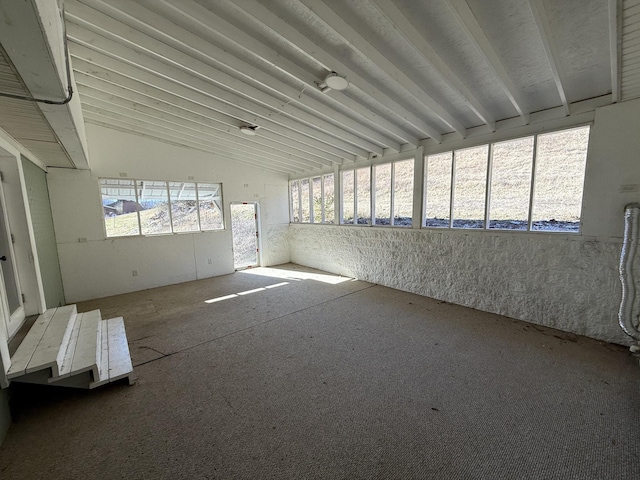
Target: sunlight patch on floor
246, 292
296, 275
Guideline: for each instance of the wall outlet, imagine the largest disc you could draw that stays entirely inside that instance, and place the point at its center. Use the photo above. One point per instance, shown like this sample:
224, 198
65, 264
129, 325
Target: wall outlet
123, 174
246, 185
191, 177
82, 240
134, 273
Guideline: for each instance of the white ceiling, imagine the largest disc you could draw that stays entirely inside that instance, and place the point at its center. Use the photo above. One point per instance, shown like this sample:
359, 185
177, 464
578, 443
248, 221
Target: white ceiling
191, 72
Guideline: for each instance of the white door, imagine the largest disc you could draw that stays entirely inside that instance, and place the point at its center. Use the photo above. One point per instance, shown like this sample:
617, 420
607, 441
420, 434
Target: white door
10, 294
244, 229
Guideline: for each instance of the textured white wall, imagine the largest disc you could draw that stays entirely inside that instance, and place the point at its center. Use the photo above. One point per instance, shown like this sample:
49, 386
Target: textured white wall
100, 267
561, 281
569, 282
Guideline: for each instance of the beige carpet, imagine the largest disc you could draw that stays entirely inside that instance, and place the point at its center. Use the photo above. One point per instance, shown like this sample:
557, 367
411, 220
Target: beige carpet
313, 379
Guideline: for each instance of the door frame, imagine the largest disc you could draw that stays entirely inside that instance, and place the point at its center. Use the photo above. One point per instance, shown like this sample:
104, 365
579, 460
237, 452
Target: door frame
256, 207
17, 318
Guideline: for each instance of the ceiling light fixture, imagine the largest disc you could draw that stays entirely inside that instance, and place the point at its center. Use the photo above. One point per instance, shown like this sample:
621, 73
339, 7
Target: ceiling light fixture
333, 81
248, 130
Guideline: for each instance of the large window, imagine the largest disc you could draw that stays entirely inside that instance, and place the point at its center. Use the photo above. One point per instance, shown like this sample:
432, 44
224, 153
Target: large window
531, 183
312, 199
386, 188
148, 207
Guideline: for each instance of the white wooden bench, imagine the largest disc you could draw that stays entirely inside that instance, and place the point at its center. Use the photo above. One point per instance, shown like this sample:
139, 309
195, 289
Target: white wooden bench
72, 349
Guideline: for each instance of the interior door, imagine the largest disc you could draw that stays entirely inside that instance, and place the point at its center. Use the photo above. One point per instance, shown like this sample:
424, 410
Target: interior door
11, 294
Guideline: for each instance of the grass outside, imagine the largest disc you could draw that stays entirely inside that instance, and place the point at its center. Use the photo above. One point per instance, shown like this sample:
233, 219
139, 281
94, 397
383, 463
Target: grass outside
557, 199
156, 220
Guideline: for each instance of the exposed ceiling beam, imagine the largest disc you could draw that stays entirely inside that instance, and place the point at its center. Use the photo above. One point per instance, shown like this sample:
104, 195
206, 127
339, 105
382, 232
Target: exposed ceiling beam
279, 124
165, 124
288, 33
99, 98
405, 28
113, 71
546, 35
216, 150
160, 28
195, 14
356, 41
119, 40
467, 20
116, 84
142, 132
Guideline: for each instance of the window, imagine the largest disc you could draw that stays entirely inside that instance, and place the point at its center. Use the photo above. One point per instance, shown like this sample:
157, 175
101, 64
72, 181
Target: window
511, 168
305, 209
363, 196
142, 207
438, 189
328, 195
184, 207
382, 197
530, 183
559, 180
470, 178
311, 200
403, 193
381, 194
348, 199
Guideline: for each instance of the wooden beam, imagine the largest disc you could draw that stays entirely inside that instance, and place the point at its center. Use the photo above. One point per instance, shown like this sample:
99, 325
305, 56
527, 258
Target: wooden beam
469, 24
289, 34
195, 80
546, 35
356, 41
405, 28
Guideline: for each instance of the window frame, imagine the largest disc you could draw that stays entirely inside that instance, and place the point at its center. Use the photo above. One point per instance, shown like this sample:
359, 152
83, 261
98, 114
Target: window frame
323, 196
487, 197
137, 181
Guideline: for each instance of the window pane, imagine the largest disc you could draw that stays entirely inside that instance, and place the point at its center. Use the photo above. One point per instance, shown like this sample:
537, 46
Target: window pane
304, 195
403, 193
559, 180
295, 202
364, 195
210, 206
329, 204
316, 186
438, 189
510, 184
184, 208
347, 196
470, 185
119, 207
383, 194
154, 216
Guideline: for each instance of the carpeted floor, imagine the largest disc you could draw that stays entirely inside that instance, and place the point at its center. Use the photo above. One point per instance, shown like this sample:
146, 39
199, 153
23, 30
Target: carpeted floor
311, 377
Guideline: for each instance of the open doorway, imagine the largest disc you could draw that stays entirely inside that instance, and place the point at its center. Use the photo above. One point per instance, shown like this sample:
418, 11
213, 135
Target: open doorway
246, 235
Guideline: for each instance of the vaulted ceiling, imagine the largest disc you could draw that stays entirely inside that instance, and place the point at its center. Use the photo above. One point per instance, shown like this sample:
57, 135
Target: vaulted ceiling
192, 72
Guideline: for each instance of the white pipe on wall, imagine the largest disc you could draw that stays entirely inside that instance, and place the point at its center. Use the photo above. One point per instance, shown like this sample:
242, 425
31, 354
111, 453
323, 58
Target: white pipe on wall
626, 313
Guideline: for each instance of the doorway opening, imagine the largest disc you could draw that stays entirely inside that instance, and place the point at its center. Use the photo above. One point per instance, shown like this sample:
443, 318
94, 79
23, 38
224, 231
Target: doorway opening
245, 232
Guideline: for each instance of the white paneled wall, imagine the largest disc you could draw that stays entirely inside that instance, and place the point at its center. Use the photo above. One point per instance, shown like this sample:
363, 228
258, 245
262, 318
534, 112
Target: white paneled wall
93, 266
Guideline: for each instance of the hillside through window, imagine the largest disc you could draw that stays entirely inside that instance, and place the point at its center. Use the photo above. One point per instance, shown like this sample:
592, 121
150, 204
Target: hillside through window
148, 207
532, 183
